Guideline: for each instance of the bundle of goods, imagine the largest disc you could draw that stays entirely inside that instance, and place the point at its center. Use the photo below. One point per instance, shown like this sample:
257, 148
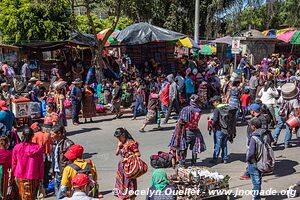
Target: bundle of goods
236, 76
21, 107
199, 180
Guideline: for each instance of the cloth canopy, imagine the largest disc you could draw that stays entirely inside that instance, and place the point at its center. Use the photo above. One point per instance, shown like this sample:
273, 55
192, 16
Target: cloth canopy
188, 42
255, 34
270, 33
286, 36
224, 40
208, 50
142, 33
296, 38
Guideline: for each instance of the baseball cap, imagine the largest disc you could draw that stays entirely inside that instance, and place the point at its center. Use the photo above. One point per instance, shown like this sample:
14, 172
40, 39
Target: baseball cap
3, 105
39, 83
75, 151
255, 107
35, 125
80, 180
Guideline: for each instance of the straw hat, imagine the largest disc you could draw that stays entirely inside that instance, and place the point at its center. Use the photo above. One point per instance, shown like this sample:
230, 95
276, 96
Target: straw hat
32, 79
4, 84
289, 91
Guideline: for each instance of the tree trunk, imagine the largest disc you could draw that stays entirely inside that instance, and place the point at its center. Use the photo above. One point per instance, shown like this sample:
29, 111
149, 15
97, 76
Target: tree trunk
98, 59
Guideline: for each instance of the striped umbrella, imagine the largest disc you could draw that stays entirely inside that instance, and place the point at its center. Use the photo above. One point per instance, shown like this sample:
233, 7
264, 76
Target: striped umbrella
296, 38
111, 39
286, 36
208, 50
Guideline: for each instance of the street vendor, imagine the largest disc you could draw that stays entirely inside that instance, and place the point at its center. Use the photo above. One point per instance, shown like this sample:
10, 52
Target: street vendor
161, 187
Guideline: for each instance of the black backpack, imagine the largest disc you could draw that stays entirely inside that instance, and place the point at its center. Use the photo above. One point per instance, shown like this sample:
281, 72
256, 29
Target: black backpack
161, 160
94, 189
228, 121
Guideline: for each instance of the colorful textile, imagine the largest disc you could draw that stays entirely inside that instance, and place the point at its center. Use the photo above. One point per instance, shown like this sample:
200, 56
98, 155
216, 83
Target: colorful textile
99, 93
151, 117
28, 188
89, 107
5, 164
122, 183
51, 119
179, 142
234, 100
178, 139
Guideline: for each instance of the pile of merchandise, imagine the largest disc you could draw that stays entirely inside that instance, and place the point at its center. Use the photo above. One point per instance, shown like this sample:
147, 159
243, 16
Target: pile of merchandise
197, 179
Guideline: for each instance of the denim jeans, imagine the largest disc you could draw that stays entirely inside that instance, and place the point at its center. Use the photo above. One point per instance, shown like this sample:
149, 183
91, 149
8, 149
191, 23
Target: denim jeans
288, 132
256, 176
57, 182
173, 104
139, 102
244, 114
47, 167
220, 143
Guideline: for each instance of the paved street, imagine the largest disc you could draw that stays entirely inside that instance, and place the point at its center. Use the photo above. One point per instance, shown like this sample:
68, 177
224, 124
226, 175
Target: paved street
99, 143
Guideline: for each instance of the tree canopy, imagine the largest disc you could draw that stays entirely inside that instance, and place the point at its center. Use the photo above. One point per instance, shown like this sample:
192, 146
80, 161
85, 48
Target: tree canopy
24, 20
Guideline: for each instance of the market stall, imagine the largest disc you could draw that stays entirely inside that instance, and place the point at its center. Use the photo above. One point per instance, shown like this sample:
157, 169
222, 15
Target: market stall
199, 180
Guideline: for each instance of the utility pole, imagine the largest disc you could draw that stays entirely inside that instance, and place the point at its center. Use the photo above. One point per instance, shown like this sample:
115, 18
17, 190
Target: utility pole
197, 13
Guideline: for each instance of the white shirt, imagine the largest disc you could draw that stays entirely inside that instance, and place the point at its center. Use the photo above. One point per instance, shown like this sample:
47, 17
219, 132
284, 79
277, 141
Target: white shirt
79, 196
268, 97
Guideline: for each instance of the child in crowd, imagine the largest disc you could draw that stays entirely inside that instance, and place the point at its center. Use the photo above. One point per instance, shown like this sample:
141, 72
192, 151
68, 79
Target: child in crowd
245, 99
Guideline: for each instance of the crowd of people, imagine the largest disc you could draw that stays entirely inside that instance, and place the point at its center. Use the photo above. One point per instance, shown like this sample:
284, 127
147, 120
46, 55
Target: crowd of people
268, 92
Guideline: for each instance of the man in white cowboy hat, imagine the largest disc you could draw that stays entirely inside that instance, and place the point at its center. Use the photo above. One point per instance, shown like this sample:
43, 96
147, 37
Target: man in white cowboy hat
32, 82
5, 93
76, 97
289, 107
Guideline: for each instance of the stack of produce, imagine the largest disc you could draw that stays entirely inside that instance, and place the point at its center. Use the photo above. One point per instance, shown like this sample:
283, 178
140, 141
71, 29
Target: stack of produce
197, 179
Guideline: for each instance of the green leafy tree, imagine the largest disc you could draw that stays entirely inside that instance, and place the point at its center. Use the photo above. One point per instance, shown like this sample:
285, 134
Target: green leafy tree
31, 20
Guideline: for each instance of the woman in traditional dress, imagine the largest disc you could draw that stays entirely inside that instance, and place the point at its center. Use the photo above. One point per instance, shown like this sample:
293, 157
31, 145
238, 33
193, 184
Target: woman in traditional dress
126, 146
161, 187
153, 114
59, 99
5, 164
89, 107
28, 166
100, 93
126, 95
51, 117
